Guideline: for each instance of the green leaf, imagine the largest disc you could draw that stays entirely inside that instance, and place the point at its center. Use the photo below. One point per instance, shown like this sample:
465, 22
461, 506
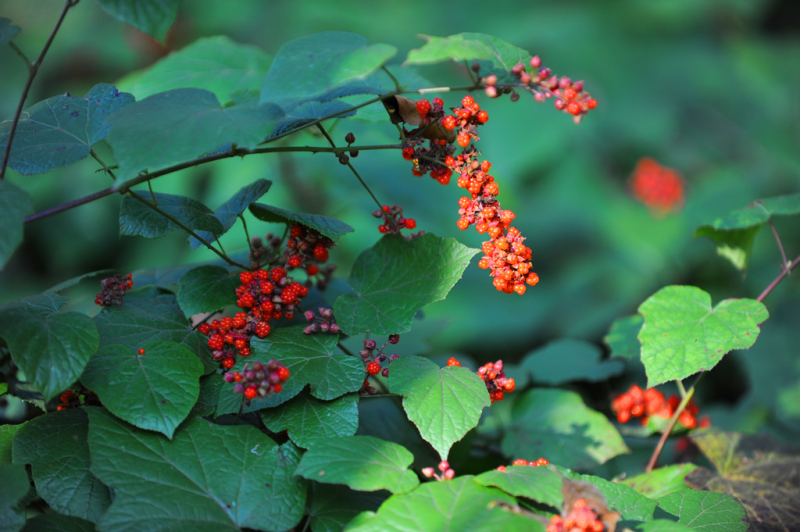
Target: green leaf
216, 64
458, 504
333, 229
540, 484
137, 219
661, 481
683, 334
6, 438
45, 304
705, 510
310, 420
57, 523
735, 232
319, 66
15, 205
27, 392
331, 507
153, 17
625, 500
662, 525
154, 391
210, 387
60, 130
51, 350
7, 31
395, 278
179, 125
206, 289
308, 112
148, 316
363, 463
13, 488
557, 425
568, 361
56, 447
444, 403
209, 477
622, 337
228, 212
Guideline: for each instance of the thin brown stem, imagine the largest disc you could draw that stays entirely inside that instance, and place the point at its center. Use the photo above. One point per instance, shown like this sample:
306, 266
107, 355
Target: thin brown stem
32, 70
780, 244
246, 234
21, 54
347, 351
786, 271
672, 421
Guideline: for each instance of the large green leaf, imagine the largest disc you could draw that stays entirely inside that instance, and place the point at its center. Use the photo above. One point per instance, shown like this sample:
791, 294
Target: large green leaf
541, 484
231, 209
57, 523
622, 337
450, 506
15, 205
662, 525
6, 438
148, 316
322, 66
208, 478
683, 334
735, 232
51, 350
7, 31
216, 64
661, 481
705, 510
182, 124
632, 505
310, 420
555, 424
331, 507
570, 360
206, 289
154, 391
153, 17
308, 112
330, 227
137, 219
362, 462
444, 403
395, 278
44, 304
12, 490
60, 130
56, 447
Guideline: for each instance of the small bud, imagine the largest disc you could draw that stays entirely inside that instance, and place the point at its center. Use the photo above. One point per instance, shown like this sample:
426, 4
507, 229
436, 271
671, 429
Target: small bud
324, 326
370, 344
257, 242
514, 96
394, 338
343, 158
326, 313
449, 474
475, 66
490, 80
309, 314
536, 62
444, 465
228, 377
491, 92
385, 372
238, 388
427, 471
334, 328
258, 366
353, 153
393, 357
350, 138
364, 353
275, 241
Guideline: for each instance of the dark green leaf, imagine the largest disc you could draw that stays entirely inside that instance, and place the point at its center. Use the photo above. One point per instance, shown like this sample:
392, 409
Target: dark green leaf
395, 278
308, 112
331, 507
57, 523
619, 497
683, 334
52, 350
661, 481
555, 424
623, 339
206, 289
60, 131
216, 64
6, 438
570, 360
540, 484
154, 391
662, 525
137, 219
210, 387
179, 125
310, 420
44, 304
209, 477
320, 66
56, 447
231, 209
27, 392
12, 489
7, 31
362, 462
333, 229
75, 280
705, 510
15, 205
444, 403
153, 17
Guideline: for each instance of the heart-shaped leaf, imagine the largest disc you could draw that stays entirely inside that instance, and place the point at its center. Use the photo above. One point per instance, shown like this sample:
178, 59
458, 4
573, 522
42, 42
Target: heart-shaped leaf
444, 403
154, 391
153, 17
333, 229
137, 219
308, 112
622, 337
6, 438
14, 487
206, 289
661, 481
570, 360
541, 484
15, 205
309, 420
56, 447
57, 523
683, 334
231, 209
362, 462
705, 510
619, 497
395, 278
332, 507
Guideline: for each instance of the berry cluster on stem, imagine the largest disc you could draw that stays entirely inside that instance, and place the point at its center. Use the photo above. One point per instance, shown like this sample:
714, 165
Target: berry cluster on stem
374, 356
522, 462
395, 213
581, 518
493, 375
113, 289
325, 322
306, 248
70, 399
650, 402
447, 473
658, 187
259, 380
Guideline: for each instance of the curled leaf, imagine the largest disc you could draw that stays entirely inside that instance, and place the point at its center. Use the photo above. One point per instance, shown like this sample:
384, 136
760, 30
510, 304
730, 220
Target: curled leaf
402, 109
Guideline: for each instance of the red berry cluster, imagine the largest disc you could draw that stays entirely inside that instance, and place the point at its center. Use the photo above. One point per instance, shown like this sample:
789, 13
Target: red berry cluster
523, 462
645, 403
113, 290
259, 380
306, 248
494, 377
428, 159
374, 357
658, 187
447, 473
70, 399
325, 322
394, 214
581, 518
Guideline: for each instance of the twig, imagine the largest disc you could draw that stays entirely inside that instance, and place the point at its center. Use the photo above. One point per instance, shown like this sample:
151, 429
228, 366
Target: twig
347, 351
21, 54
780, 244
397, 86
377, 395
246, 234
32, 70
786, 271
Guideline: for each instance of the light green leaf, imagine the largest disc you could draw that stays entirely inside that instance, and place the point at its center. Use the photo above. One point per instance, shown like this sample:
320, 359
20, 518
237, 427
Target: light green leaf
153, 17
557, 425
395, 278
333, 229
570, 360
56, 447
363, 463
137, 219
13, 488
705, 510
683, 334
661, 481
310, 420
206, 289
154, 391
57, 523
15, 205
538, 483
662, 525
7, 31
228, 212
625, 500
332, 507
622, 337
444, 403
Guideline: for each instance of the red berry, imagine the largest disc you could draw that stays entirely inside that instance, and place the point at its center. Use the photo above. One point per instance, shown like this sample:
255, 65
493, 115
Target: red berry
438, 101
410, 223
394, 338
573, 108
312, 270
246, 277
228, 363
296, 231
276, 274
449, 161
373, 368
383, 228
250, 393
453, 362
449, 122
408, 153
467, 101
295, 261
463, 140
423, 106
483, 117
592, 103
262, 329
277, 387
141, 351
283, 373
519, 462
